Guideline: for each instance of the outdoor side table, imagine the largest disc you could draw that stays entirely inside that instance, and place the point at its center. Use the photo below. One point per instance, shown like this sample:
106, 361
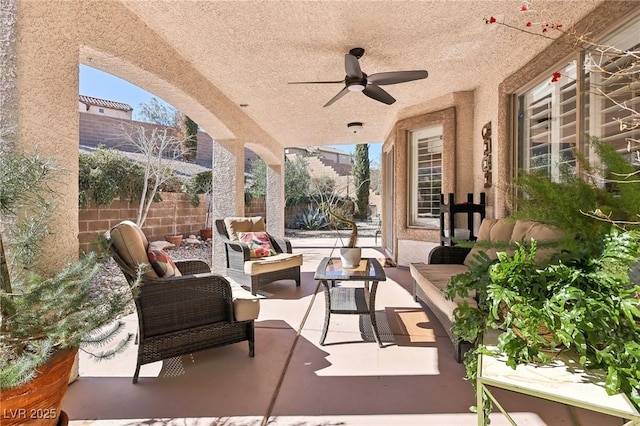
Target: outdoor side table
564, 381
350, 300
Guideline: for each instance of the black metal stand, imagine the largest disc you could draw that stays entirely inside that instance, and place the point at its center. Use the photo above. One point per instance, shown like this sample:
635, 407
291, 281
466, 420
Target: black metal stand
451, 209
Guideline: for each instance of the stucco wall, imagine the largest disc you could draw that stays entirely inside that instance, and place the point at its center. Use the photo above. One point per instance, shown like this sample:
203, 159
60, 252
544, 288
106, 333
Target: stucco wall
488, 103
455, 113
48, 112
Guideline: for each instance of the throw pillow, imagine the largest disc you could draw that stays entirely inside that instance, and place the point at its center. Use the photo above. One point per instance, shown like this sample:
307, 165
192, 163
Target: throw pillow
163, 264
258, 243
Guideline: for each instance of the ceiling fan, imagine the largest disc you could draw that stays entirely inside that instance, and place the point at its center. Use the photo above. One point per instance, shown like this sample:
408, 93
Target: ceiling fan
357, 81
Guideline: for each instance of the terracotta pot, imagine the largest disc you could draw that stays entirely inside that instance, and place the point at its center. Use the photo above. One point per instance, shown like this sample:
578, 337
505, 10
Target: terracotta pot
206, 234
38, 402
176, 240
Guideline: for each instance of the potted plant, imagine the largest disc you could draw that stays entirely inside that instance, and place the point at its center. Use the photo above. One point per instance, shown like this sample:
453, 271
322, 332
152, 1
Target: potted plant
586, 302
44, 318
587, 297
350, 255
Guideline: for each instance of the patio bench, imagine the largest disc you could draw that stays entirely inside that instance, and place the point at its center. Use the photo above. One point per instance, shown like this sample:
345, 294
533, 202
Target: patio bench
431, 278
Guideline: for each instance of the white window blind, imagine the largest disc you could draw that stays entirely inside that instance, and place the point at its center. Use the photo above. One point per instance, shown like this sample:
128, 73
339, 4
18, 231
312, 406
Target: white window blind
547, 131
611, 92
427, 175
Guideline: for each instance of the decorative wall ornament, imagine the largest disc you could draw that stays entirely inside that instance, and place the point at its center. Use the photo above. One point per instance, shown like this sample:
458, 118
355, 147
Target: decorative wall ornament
486, 159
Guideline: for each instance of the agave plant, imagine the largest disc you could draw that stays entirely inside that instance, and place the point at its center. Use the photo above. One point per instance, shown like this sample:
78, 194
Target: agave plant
312, 218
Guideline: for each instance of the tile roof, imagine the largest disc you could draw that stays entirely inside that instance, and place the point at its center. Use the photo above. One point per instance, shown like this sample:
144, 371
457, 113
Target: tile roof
88, 100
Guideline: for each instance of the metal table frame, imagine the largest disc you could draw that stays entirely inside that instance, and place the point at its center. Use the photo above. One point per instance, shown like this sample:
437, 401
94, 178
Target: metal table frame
564, 381
350, 300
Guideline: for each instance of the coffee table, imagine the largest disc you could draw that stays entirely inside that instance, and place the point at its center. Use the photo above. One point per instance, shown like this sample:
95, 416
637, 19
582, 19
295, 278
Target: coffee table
350, 300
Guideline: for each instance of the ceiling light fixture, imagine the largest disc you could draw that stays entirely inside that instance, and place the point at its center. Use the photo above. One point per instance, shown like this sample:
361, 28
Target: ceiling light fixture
354, 127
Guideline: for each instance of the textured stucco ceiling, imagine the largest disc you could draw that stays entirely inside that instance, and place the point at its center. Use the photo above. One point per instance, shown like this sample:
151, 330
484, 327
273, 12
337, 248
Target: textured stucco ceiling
250, 50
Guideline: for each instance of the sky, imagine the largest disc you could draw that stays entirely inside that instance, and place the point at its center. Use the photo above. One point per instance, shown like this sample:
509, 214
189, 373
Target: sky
98, 84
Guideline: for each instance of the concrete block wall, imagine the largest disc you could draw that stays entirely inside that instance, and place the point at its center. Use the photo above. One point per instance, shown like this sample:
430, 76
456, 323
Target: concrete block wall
160, 220
99, 129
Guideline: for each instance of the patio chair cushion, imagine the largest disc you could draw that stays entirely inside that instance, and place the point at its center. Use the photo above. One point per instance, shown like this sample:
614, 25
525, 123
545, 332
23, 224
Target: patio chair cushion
246, 306
163, 264
258, 242
132, 245
243, 224
272, 263
433, 279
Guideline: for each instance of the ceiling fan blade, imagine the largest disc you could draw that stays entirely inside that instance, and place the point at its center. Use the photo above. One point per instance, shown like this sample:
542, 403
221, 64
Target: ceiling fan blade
352, 66
340, 94
316, 82
379, 94
395, 77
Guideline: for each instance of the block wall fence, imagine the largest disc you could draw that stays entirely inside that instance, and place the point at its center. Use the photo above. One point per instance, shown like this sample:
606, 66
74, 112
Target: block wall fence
94, 221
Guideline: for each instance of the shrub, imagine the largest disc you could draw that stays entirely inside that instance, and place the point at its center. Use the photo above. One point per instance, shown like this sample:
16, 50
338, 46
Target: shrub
106, 174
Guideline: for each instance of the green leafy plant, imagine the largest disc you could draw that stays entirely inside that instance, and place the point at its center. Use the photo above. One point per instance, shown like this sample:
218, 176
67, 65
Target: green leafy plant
586, 303
199, 184
572, 203
43, 313
105, 174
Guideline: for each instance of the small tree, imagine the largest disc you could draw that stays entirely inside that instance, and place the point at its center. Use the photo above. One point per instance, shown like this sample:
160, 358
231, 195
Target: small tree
157, 113
157, 145
258, 187
296, 180
190, 130
362, 180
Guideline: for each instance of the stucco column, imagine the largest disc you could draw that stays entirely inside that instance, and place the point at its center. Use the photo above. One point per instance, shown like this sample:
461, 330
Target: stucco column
47, 84
275, 198
227, 166
8, 69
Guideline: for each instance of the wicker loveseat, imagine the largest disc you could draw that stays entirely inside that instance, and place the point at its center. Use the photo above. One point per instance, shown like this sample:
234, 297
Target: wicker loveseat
178, 315
255, 272
430, 279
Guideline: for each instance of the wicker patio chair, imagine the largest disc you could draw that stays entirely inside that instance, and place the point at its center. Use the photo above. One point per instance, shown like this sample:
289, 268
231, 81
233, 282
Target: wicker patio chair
183, 314
256, 272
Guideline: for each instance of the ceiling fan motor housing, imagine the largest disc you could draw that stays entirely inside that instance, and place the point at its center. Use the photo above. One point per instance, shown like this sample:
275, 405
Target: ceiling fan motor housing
355, 84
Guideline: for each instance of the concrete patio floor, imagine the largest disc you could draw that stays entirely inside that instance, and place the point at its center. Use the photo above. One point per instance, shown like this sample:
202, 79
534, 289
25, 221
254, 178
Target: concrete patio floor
292, 380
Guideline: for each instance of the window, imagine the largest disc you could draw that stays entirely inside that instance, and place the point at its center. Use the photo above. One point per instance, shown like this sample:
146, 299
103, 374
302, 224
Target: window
549, 126
426, 176
101, 110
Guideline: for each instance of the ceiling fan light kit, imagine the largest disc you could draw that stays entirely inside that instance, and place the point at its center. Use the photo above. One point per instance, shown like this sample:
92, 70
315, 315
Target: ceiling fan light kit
357, 81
